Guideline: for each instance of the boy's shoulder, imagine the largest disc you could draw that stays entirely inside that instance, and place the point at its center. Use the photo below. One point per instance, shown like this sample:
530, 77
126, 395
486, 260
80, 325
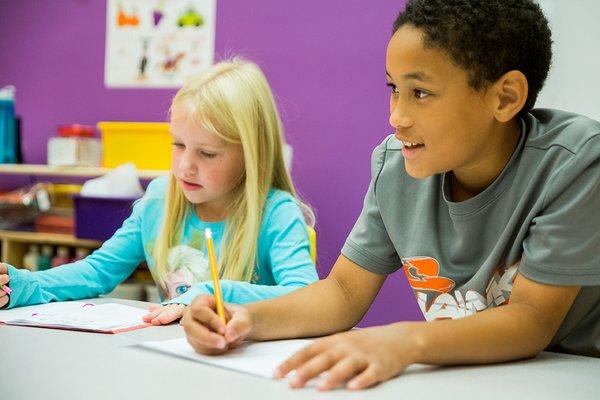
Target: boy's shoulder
549, 128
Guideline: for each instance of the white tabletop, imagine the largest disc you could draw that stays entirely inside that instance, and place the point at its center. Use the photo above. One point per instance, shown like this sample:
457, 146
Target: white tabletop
37, 363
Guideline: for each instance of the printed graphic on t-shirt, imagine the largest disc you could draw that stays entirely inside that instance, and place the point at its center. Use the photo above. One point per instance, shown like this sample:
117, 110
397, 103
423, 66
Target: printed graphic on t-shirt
438, 297
186, 265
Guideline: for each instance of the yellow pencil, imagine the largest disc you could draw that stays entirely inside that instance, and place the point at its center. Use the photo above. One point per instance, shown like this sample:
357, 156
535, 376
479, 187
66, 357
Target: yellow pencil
214, 272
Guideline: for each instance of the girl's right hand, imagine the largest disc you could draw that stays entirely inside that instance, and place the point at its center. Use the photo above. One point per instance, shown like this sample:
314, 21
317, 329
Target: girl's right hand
4, 278
163, 315
206, 332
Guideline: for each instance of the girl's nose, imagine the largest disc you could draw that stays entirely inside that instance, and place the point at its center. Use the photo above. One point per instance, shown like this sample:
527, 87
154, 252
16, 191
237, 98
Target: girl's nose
186, 165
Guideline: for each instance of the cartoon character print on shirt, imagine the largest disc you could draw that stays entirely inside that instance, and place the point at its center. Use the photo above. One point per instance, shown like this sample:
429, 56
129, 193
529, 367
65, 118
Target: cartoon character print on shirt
186, 265
438, 297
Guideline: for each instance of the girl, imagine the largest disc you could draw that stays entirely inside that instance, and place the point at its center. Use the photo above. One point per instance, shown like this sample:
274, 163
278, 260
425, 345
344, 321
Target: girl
228, 174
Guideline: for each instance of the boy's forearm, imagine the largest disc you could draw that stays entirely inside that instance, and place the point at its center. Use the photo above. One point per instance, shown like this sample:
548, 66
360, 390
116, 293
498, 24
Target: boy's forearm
316, 310
501, 334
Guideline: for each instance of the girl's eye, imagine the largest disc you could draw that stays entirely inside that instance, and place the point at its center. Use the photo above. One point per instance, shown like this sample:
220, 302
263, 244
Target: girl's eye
393, 88
178, 145
419, 94
208, 155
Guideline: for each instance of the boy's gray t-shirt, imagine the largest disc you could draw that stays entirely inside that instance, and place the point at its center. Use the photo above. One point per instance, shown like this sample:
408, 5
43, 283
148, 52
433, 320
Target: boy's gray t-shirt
540, 217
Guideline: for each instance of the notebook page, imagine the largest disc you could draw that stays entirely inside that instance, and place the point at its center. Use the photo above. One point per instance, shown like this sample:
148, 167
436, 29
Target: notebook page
255, 358
77, 315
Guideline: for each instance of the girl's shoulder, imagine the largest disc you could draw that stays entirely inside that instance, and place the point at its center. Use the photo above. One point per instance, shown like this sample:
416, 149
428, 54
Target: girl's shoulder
279, 201
157, 187
153, 199
281, 211
277, 197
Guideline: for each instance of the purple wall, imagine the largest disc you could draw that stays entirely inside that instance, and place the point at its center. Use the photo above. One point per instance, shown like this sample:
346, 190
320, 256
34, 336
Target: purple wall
325, 62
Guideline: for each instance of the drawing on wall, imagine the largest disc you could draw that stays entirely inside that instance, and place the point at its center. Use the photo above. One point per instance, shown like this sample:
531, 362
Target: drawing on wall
157, 43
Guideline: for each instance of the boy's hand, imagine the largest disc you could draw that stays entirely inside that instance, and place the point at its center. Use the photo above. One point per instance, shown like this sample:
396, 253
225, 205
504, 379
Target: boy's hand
4, 278
206, 332
362, 358
163, 315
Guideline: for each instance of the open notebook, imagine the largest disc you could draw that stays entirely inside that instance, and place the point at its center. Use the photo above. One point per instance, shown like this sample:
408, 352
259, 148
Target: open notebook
255, 358
79, 316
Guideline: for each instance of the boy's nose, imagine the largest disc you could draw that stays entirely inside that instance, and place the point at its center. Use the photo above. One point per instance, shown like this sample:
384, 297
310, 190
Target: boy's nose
400, 121
399, 117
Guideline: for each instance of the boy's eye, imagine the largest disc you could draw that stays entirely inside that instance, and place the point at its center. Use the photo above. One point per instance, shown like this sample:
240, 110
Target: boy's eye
393, 88
419, 94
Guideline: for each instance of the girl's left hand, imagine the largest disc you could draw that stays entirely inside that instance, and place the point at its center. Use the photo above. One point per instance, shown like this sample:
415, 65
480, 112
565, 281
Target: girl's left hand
4, 280
163, 315
362, 358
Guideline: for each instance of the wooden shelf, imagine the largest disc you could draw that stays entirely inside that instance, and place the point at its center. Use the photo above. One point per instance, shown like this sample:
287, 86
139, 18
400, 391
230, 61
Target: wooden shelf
48, 170
16, 243
48, 238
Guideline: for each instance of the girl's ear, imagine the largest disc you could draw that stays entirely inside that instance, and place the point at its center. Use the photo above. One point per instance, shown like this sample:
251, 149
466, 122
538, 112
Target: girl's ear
511, 94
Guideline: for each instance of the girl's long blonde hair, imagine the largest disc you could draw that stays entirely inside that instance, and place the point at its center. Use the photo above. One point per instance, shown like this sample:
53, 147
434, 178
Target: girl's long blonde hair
234, 101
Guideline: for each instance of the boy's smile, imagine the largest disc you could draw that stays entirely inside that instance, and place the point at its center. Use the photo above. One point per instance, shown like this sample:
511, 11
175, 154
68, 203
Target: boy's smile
443, 123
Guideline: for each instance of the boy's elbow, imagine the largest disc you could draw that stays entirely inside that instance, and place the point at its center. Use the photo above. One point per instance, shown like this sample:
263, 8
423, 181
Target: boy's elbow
540, 332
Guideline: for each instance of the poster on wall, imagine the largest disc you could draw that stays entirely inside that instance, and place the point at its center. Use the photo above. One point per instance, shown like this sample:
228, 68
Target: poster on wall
157, 43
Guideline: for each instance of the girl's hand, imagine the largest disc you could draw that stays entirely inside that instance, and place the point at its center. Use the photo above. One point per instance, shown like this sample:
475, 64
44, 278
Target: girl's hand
163, 315
4, 278
206, 332
361, 358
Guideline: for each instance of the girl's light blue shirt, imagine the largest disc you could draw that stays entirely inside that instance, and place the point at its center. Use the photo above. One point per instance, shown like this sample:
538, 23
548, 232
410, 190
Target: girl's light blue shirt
283, 261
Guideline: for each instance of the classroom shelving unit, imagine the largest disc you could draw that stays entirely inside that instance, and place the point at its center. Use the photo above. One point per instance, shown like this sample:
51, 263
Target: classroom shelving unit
83, 172
14, 244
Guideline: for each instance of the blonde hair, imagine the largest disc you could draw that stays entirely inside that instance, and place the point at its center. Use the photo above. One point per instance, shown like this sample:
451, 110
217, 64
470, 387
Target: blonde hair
233, 100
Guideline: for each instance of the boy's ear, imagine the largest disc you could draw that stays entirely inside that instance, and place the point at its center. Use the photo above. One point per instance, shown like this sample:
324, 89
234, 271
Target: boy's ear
511, 93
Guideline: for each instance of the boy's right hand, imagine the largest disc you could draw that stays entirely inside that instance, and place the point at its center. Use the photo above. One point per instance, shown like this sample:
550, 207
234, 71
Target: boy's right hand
206, 332
4, 278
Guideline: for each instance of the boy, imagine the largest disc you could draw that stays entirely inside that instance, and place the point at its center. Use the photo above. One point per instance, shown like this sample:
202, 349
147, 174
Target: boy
490, 207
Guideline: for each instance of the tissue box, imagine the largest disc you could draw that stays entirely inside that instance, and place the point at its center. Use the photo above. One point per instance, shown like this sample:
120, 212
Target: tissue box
98, 218
146, 144
74, 151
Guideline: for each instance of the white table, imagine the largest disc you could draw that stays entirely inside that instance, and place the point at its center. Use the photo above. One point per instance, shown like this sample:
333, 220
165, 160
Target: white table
38, 363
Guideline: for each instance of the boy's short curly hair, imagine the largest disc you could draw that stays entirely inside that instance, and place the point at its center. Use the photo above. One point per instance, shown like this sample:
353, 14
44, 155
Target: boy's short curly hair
487, 38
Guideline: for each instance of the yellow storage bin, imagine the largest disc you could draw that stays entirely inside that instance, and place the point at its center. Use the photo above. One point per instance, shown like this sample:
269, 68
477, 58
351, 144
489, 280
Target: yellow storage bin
146, 144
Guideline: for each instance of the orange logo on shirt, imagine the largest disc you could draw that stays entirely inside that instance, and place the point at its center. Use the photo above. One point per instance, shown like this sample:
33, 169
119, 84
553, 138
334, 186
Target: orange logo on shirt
422, 274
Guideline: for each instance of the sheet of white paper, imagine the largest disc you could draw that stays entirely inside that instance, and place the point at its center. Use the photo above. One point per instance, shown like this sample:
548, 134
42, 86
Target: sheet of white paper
255, 358
76, 315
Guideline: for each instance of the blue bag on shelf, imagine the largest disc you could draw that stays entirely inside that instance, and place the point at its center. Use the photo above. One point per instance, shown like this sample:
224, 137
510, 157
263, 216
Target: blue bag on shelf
8, 126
